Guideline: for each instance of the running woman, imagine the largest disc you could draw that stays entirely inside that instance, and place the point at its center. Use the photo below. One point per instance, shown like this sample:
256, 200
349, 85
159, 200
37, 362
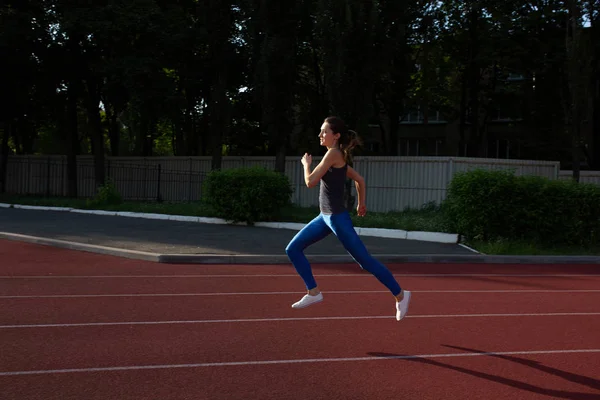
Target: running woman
332, 172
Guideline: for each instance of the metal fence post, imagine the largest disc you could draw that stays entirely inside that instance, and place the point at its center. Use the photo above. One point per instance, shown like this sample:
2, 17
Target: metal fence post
450, 175
64, 185
158, 185
190, 182
48, 177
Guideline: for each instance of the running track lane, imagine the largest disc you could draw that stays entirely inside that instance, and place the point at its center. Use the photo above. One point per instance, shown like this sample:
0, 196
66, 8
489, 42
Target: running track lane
193, 308
249, 283
52, 348
507, 376
503, 377
520, 376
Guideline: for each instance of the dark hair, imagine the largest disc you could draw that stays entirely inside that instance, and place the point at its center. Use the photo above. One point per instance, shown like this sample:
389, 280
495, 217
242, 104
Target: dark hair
348, 138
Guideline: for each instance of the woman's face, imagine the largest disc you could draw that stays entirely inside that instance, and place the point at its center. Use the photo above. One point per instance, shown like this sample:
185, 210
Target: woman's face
327, 137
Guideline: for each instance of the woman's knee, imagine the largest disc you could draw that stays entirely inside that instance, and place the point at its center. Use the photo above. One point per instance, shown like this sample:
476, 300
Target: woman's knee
294, 247
289, 249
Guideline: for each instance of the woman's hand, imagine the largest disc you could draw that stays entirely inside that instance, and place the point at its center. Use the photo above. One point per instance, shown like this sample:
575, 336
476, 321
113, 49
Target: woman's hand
307, 160
361, 210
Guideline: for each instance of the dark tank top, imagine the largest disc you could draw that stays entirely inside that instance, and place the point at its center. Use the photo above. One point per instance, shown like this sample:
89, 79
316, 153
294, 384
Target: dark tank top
331, 192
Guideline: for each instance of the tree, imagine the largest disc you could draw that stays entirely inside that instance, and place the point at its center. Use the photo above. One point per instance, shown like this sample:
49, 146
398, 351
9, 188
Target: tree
397, 30
23, 40
220, 25
593, 13
274, 32
576, 93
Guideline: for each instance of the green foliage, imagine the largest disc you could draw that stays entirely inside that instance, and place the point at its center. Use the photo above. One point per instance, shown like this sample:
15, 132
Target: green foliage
171, 72
523, 247
477, 202
490, 205
247, 194
107, 195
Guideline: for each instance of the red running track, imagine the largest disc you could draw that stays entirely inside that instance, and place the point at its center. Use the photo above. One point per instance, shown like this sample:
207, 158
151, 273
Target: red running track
76, 325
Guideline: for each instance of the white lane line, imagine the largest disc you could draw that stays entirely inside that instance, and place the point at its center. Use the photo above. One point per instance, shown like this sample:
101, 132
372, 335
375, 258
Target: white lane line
70, 296
295, 361
288, 275
470, 248
246, 320
116, 295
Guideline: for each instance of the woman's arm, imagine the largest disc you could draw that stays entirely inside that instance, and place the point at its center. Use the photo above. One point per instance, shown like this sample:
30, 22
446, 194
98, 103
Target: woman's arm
361, 190
312, 178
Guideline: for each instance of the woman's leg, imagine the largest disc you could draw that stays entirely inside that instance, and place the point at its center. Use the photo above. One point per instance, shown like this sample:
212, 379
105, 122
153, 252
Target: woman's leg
341, 225
314, 231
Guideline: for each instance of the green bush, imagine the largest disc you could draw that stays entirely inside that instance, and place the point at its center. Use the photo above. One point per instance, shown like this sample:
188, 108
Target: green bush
490, 205
477, 204
247, 194
107, 195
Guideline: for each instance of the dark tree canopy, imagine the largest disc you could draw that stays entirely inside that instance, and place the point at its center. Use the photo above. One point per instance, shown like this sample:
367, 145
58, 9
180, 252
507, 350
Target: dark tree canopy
257, 77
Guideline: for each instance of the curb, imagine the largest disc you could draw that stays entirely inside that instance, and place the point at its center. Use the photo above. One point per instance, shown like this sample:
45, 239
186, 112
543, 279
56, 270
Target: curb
90, 248
385, 258
246, 259
436, 237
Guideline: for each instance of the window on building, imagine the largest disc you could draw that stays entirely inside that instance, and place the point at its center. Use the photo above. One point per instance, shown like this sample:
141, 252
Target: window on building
417, 116
429, 147
499, 148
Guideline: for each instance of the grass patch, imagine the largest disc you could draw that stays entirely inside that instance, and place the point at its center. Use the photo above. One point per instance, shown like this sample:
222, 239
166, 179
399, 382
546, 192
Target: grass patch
195, 209
43, 201
298, 214
408, 220
519, 248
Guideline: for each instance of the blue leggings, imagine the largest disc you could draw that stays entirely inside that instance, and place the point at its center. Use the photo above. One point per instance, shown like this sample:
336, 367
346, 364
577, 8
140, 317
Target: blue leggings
341, 225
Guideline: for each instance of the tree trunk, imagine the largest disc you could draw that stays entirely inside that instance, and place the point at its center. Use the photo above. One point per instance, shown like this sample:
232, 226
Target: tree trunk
27, 134
474, 142
142, 129
186, 141
595, 84
72, 140
394, 128
576, 95
219, 119
462, 126
384, 128
114, 133
15, 133
148, 133
280, 154
4, 156
203, 137
96, 131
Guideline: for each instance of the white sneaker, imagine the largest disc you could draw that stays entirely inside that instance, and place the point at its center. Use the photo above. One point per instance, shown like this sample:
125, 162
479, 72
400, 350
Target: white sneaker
402, 306
308, 300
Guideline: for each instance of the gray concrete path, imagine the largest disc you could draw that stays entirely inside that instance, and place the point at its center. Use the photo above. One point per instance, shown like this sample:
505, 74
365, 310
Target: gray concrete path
191, 242
190, 238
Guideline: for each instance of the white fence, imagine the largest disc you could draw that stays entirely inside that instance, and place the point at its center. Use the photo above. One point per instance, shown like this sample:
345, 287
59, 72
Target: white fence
393, 183
584, 176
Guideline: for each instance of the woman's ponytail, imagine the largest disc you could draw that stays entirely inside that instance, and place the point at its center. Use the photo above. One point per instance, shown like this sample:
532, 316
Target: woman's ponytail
348, 138
352, 141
